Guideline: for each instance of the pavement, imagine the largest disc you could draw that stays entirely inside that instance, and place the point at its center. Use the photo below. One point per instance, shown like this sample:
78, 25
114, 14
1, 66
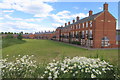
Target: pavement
88, 48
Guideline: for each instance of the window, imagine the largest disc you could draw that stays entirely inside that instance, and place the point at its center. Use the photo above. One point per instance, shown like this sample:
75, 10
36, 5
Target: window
105, 42
73, 34
83, 25
86, 33
79, 26
86, 24
90, 23
90, 34
83, 35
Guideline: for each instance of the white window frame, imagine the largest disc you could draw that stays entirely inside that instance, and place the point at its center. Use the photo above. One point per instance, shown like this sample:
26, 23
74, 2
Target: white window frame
86, 24
83, 25
90, 23
79, 26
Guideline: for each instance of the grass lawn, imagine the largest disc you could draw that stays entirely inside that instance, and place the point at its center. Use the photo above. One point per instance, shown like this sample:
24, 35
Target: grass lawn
11, 41
47, 50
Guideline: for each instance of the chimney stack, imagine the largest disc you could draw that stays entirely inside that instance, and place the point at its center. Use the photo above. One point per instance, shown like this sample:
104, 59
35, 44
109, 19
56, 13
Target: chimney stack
65, 24
77, 18
105, 6
69, 23
90, 12
62, 26
73, 21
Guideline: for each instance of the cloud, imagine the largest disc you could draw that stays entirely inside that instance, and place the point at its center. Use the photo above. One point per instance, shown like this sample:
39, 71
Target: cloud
100, 8
56, 25
36, 7
63, 16
1, 18
19, 26
8, 11
20, 19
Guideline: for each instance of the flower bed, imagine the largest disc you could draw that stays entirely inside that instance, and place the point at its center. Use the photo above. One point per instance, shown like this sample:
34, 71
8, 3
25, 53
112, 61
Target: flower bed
76, 67
79, 67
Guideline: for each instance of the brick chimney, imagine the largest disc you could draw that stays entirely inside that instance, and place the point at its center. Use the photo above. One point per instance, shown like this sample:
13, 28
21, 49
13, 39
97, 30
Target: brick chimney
105, 6
77, 18
65, 24
69, 23
90, 12
73, 21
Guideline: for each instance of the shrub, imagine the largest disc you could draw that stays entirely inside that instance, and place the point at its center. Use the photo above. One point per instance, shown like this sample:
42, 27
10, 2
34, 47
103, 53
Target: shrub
76, 42
79, 67
19, 36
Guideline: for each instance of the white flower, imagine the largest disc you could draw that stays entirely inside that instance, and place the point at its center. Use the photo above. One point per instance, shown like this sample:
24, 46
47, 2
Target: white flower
46, 71
76, 72
50, 74
62, 69
93, 76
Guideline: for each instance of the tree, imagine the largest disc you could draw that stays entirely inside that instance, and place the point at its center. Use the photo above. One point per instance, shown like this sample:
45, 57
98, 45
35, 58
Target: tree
2, 32
5, 32
19, 37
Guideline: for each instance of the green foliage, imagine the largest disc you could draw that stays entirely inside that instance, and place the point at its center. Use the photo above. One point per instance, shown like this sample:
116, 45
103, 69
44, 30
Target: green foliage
76, 42
19, 37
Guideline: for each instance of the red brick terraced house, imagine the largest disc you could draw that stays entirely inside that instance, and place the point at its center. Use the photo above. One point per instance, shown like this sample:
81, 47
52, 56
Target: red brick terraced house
45, 35
95, 31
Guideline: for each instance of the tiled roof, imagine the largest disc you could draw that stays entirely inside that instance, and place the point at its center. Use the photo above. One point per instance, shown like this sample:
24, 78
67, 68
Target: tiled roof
88, 18
85, 19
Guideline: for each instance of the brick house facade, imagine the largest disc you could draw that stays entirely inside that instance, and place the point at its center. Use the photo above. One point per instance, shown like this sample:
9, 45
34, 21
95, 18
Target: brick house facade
96, 31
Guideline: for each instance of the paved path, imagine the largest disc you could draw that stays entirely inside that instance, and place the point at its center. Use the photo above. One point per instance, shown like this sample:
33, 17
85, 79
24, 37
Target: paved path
88, 48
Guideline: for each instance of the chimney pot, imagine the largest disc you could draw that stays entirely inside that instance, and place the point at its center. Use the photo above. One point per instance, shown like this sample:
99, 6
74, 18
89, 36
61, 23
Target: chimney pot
73, 21
90, 12
65, 24
62, 26
77, 18
69, 23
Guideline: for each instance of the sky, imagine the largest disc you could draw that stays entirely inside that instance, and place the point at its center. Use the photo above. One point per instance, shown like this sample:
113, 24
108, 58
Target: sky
44, 15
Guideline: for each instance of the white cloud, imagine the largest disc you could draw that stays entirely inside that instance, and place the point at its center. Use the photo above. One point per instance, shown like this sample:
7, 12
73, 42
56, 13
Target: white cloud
22, 26
8, 10
100, 8
36, 7
63, 16
20, 19
56, 25
1, 18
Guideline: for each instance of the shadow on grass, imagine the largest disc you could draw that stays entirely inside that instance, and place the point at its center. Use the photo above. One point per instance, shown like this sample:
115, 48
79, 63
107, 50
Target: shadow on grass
9, 42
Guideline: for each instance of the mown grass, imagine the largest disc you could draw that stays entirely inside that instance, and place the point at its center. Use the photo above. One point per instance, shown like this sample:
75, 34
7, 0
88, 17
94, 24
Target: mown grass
46, 50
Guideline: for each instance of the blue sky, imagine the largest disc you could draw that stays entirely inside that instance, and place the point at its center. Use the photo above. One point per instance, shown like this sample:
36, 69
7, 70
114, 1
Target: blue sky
37, 15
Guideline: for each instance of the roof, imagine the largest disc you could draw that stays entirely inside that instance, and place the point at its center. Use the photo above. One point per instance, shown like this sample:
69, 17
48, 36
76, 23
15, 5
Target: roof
92, 17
